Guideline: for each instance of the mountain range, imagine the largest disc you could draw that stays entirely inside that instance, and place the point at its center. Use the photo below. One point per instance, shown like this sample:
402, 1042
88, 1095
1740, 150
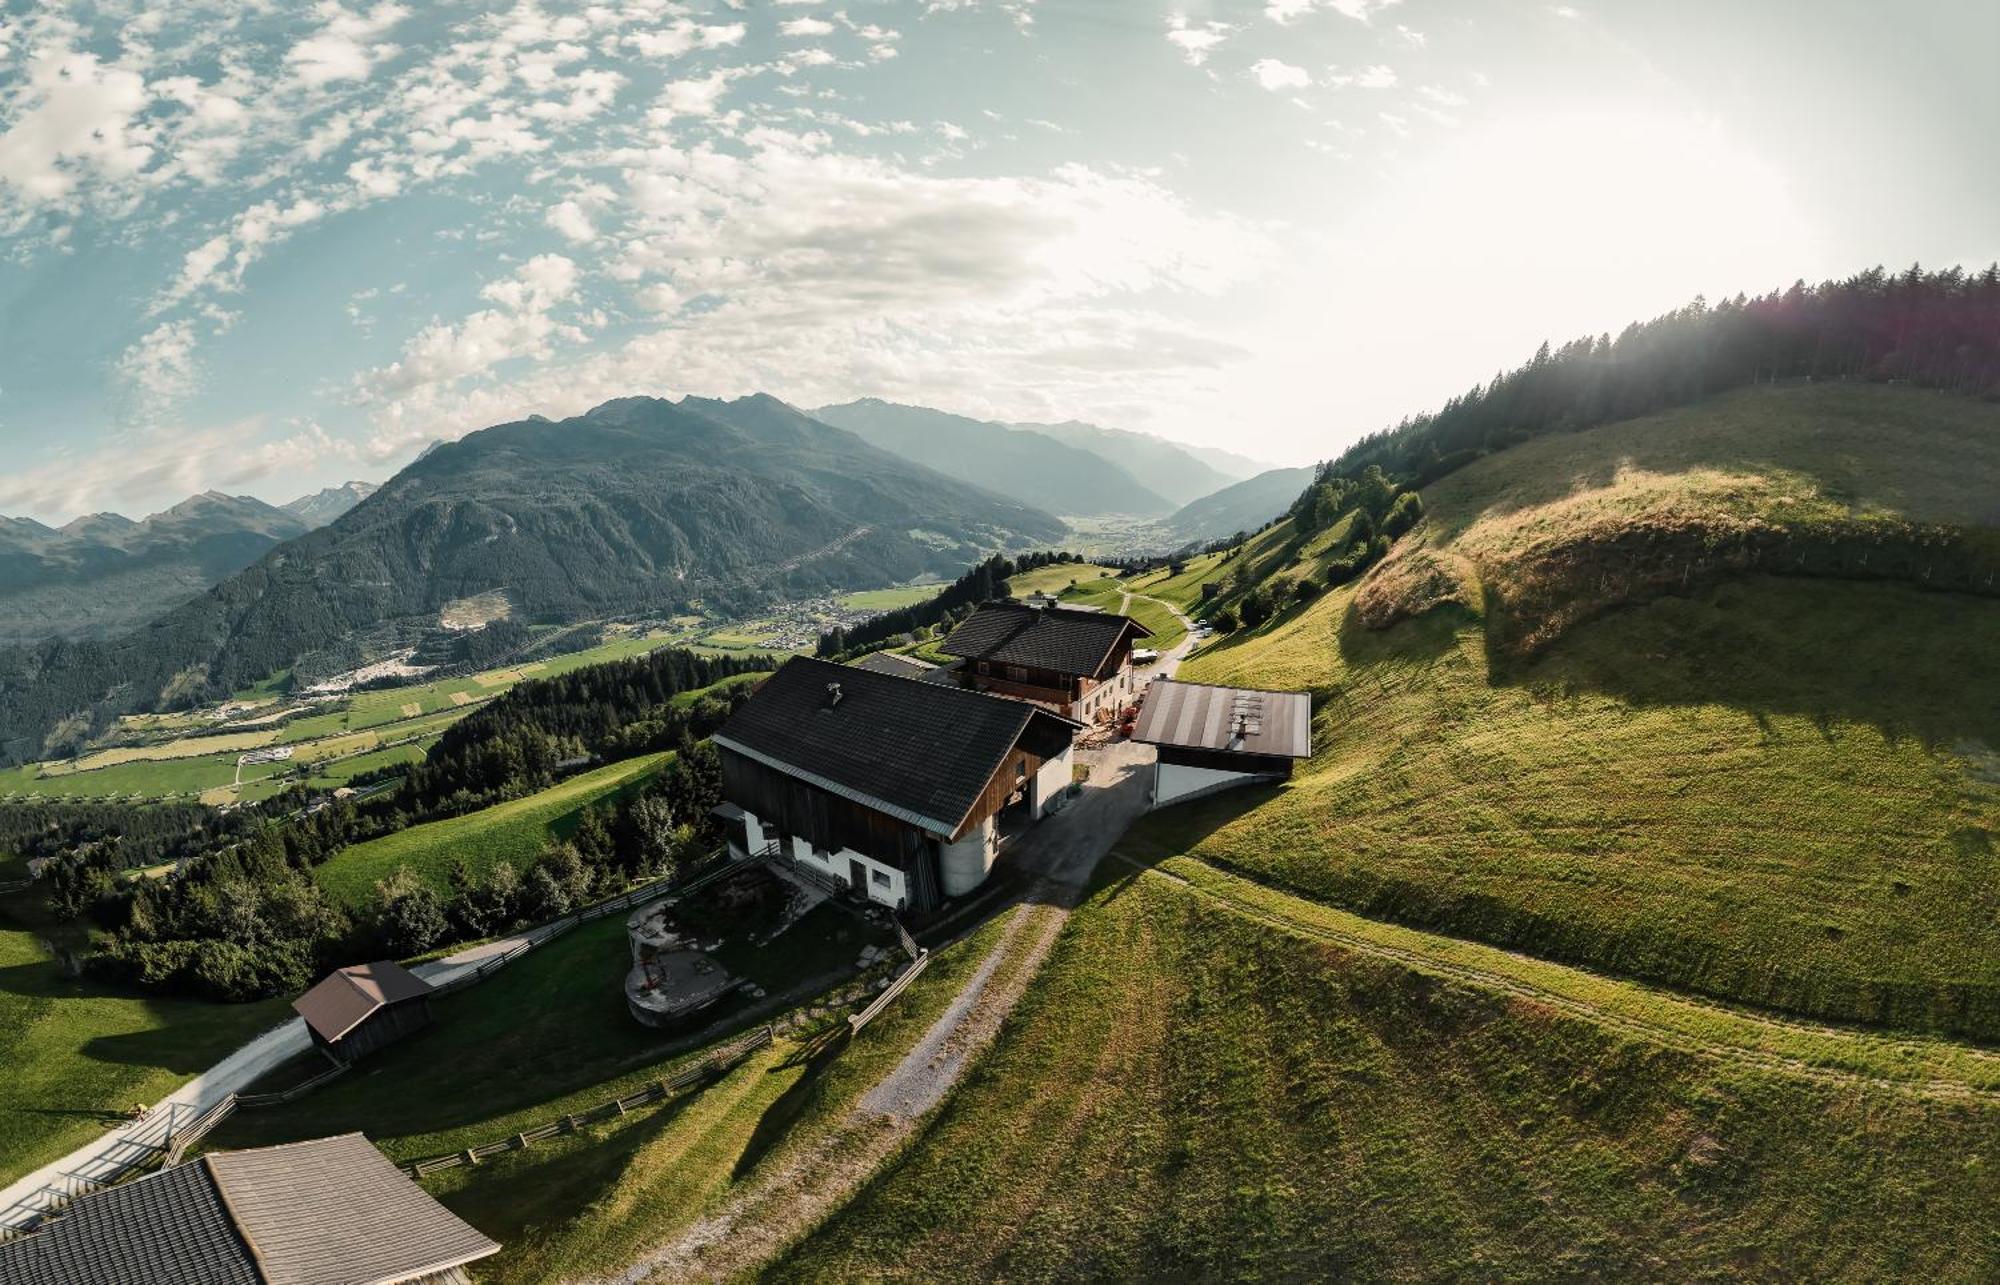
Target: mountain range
105, 573
1241, 506
1017, 461
639, 506
1180, 472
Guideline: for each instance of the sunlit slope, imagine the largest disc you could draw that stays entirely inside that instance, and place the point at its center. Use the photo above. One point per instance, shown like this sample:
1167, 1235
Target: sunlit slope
1189, 1093
1847, 480
1777, 789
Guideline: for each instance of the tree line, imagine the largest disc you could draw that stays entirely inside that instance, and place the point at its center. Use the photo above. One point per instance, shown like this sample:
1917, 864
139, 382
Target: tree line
1938, 329
242, 916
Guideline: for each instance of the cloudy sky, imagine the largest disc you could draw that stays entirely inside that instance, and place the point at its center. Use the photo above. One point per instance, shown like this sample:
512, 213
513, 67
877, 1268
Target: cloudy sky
262, 247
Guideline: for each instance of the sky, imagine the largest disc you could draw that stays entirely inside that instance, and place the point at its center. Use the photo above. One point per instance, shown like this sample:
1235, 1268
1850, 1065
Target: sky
262, 247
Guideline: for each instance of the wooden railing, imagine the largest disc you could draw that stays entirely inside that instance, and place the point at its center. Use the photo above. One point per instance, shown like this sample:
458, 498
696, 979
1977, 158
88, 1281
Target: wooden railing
856, 1021
183, 1138
724, 1059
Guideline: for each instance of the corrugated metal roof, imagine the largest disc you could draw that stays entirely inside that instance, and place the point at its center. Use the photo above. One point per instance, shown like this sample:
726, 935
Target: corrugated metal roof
918, 751
345, 998
1061, 639
334, 1211
1239, 720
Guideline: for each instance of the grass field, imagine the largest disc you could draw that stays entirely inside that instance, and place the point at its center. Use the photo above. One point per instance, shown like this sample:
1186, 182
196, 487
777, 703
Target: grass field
880, 600
1187, 1094
550, 1034
77, 1054
1055, 577
1780, 791
515, 831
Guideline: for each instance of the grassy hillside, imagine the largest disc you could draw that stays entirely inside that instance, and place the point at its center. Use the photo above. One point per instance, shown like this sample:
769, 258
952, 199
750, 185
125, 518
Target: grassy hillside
1781, 790
515, 831
1190, 1094
1056, 577
1860, 481
77, 1054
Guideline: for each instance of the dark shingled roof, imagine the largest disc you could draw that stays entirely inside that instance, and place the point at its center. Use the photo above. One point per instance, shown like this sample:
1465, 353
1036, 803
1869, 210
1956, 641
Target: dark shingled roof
168, 1228
333, 1211
344, 999
917, 751
1061, 639
1240, 720
888, 662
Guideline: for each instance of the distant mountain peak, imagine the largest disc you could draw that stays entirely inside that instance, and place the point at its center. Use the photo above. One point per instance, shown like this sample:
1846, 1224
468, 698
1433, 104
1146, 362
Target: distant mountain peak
324, 506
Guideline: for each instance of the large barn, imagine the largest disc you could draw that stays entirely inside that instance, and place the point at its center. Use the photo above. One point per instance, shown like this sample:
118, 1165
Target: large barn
897, 787
355, 1011
1078, 663
1211, 738
332, 1211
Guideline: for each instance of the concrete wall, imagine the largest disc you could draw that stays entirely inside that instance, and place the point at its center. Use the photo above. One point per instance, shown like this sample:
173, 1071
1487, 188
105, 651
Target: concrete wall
1052, 780
1172, 781
886, 884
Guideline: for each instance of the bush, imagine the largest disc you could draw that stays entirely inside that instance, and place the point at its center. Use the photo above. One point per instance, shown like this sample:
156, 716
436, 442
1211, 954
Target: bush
1224, 620
410, 919
1255, 607
1403, 514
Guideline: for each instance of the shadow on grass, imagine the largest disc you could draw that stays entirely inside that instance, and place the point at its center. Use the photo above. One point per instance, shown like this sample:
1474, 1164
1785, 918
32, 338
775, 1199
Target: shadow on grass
816, 1056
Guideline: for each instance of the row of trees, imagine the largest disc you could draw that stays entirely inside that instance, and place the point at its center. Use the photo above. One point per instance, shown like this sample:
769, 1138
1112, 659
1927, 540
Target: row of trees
1939, 329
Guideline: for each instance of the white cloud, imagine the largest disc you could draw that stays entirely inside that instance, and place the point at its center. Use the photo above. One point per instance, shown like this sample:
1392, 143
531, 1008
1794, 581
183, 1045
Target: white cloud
344, 48
1275, 75
73, 116
805, 27
570, 219
519, 327
1284, 11
1379, 76
696, 96
1195, 41
160, 367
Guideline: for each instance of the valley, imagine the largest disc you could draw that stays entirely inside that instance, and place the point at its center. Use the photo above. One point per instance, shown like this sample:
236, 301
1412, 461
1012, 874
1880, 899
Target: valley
1629, 914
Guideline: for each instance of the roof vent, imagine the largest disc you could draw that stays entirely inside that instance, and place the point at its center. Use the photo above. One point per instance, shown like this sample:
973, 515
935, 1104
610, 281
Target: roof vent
832, 695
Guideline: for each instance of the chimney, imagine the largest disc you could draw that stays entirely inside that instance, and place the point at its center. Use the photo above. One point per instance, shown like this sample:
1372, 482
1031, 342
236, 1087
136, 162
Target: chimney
832, 695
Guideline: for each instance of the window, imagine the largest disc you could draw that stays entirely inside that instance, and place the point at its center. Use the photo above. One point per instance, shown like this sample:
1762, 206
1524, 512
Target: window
1020, 769
880, 877
1017, 673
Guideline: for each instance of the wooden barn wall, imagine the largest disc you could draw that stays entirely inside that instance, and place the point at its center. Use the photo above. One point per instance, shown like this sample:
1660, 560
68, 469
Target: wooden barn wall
817, 815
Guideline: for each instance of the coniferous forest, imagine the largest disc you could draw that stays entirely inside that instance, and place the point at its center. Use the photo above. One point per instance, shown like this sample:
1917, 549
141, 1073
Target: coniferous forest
1936, 329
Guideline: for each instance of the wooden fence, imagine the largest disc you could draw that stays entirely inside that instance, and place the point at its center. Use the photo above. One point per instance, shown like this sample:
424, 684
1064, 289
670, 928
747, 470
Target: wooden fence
181, 1139
724, 1059
856, 1021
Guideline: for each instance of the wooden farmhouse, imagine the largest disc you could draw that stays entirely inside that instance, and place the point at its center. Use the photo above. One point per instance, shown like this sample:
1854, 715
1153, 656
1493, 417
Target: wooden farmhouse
1212, 738
357, 1010
901, 789
332, 1211
1078, 663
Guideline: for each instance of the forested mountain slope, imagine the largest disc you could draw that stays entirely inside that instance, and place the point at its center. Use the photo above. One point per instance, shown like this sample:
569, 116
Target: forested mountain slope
641, 505
103, 574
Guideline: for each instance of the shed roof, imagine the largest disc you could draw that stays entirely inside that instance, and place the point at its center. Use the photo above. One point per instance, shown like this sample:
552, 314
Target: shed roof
332, 1211
345, 998
1237, 720
889, 662
917, 751
1062, 639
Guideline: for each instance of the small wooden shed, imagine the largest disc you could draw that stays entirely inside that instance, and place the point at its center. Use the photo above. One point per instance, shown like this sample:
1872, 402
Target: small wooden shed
358, 1010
